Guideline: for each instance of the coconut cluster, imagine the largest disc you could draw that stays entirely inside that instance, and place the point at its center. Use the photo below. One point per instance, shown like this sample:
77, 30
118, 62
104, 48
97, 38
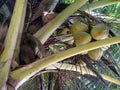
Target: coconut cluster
81, 36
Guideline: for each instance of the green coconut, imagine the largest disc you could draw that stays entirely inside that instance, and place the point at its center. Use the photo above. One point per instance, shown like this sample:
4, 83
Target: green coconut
82, 38
99, 32
78, 27
95, 54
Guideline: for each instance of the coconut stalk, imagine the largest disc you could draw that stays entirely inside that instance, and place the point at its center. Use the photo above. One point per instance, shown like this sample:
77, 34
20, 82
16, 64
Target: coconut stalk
11, 39
45, 32
98, 4
23, 74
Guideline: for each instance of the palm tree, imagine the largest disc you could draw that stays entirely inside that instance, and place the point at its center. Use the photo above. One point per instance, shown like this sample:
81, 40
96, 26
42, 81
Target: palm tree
67, 69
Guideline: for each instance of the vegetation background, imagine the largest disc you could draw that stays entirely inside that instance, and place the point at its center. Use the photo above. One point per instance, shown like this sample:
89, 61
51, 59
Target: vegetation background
72, 71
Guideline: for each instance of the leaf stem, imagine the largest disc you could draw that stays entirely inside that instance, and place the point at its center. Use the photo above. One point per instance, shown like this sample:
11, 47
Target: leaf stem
82, 70
31, 69
98, 4
45, 32
11, 39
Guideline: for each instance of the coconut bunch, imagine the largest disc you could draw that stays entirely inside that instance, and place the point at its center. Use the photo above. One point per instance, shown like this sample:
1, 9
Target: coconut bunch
82, 35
